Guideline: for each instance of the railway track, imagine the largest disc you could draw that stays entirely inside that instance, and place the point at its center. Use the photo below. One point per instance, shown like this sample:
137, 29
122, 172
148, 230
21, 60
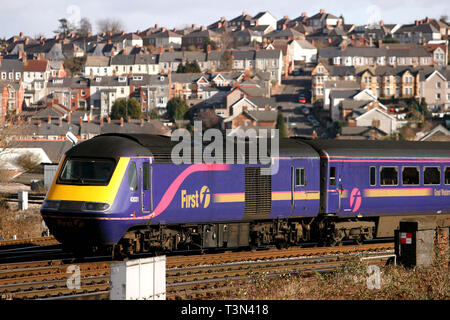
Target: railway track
189, 277
38, 241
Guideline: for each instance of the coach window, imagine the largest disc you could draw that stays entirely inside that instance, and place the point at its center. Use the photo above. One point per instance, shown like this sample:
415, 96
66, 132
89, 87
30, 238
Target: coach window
447, 175
389, 176
373, 176
332, 176
432, 175
299, 177
410, 176
132, 176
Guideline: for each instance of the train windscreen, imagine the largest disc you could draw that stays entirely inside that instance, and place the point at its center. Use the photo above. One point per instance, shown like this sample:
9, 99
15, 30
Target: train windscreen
87, 171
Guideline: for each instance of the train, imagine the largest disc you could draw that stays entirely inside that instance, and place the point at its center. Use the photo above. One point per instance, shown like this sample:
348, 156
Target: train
124, 194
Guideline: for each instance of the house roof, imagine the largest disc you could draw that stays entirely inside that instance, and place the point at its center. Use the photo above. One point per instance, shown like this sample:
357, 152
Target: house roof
97, 61
35, 65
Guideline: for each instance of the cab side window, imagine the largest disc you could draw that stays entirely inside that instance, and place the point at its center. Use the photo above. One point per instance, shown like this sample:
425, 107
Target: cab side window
447, 175
132, 176
299, 177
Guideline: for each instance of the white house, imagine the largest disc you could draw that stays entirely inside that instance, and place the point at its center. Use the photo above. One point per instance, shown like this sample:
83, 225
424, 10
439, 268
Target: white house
97, 66
264, 19
303, 51
378, 118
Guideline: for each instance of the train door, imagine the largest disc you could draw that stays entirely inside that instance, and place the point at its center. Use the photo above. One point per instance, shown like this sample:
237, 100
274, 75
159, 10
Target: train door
299, 189
146, 171
335, 188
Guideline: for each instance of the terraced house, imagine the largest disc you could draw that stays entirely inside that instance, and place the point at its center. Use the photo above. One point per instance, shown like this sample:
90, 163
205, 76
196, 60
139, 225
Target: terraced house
383, 81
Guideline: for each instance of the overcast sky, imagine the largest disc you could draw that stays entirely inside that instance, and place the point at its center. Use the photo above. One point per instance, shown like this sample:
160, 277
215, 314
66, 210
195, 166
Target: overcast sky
41, 17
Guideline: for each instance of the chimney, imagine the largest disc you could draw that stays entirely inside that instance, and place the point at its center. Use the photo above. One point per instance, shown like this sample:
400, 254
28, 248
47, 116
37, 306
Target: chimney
121, 121
39, 122
21, 35
208, 48
304, 14
108, 119
81, 121
68, 118
101, 121
339, 23
427, 20
89, 118
416, 22
244, 13
381, 23
219, 25
344, 45
329, 40
49, 119
194, 26
142, 122
161, 49
322, 11
128, 119
202, 28
60, 122
163, 29
148, 118
380, 43
283, 27
242, 27
156, 26
286, 17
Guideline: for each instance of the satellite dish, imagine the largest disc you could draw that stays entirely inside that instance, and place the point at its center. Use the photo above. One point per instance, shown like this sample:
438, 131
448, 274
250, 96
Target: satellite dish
71, 137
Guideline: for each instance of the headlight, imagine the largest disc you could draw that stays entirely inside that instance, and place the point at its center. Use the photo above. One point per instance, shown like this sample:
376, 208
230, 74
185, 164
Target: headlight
51, 204
95, 206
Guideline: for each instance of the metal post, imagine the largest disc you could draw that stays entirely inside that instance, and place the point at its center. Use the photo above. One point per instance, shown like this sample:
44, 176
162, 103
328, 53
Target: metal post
23, 200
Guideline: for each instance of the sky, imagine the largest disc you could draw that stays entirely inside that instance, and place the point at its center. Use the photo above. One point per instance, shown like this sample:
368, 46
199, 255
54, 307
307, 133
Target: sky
34, 18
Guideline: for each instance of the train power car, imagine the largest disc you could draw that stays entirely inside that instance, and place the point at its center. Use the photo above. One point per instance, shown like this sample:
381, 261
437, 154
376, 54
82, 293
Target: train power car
123, 192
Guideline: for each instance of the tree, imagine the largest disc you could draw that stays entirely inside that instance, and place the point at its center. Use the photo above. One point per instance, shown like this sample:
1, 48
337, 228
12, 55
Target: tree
85, 27
226, 61
281, 125
64, 29
189, 67
177, 108
123, 108
109, 25
75, 65
154, 114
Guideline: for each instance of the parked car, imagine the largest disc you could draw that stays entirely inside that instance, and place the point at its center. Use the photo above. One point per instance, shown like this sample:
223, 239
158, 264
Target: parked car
301, 98
305, 110
311, 118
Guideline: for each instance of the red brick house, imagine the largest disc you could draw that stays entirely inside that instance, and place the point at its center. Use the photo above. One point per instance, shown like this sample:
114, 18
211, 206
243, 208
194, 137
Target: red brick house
12, 97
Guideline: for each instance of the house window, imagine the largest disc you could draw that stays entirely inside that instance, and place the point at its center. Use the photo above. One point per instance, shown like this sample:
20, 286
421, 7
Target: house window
438, 96
410, 176
299, 177
432, 175
389, 176
17, 75
438, 85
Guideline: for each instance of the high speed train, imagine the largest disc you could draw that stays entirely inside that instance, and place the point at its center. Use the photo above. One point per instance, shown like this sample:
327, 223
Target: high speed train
122, 192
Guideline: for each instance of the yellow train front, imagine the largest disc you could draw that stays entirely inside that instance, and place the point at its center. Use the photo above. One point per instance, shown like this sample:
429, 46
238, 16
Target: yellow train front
95, 192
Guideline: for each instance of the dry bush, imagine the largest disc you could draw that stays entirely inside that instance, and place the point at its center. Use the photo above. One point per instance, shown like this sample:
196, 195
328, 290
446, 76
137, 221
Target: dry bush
350, 283
23, 224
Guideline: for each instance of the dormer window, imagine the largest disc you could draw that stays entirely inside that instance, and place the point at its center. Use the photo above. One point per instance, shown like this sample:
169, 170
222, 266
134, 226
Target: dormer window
137, 77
